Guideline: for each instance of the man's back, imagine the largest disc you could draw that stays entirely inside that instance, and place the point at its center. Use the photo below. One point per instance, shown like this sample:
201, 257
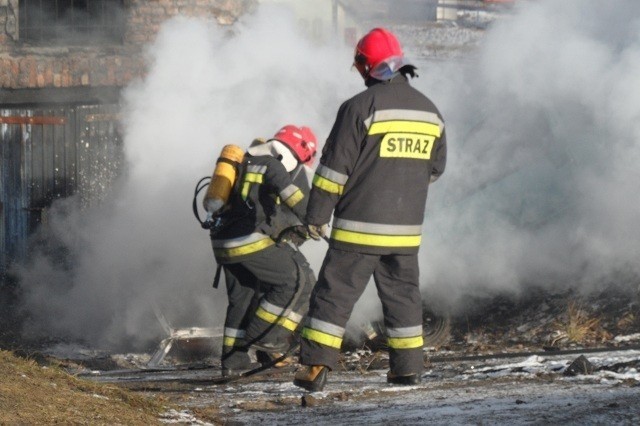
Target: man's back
388, 141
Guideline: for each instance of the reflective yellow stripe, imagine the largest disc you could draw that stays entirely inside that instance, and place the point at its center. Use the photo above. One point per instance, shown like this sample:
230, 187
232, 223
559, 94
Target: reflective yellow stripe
229, 341
288, 324
401, 126
405, 342
246, 249
253, 177
294, 199
245, 190
266, 316
275, 319
249, 179
327, 185
322, 338
376, 239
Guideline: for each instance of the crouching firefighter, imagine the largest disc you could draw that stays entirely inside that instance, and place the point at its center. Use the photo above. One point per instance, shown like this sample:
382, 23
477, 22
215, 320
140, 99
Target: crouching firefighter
253, 236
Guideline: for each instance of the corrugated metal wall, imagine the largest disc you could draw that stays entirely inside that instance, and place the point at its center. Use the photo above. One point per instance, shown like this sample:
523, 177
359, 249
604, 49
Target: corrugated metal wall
51, 153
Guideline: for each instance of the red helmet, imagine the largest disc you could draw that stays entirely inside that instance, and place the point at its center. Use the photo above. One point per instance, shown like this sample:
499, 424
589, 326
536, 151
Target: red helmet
300, 140
378, 54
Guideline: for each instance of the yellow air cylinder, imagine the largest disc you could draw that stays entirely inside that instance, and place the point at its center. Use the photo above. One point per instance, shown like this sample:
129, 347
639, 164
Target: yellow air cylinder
223, 178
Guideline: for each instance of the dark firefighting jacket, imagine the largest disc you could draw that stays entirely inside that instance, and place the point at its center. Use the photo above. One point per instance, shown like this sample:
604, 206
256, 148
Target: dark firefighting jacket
387, 143
265, 201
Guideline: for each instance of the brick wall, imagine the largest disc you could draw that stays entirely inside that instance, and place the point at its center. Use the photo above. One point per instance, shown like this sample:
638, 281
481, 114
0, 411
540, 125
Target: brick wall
24, 66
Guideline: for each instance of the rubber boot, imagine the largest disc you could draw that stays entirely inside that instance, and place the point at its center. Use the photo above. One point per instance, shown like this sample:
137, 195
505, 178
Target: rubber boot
235, 361
408, 379
312, 378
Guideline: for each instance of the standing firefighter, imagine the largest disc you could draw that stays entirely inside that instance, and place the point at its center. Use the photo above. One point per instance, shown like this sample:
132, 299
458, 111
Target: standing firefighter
268, 280
386, 145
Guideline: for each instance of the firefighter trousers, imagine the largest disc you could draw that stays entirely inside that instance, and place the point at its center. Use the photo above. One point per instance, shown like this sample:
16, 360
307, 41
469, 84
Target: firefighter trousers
342, 280
268, 295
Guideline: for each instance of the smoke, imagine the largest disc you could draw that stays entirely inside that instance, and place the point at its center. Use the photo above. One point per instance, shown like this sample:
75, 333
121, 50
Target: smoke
542, 123
206, 86
542, 174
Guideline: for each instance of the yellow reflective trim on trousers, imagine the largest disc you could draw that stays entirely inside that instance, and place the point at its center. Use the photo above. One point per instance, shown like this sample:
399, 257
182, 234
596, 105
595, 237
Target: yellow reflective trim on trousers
288, 324
405, 342
376, 240
294, 199
229, 341
242, 250
266, 316
327, 185
400, 126
322, 338
275, 319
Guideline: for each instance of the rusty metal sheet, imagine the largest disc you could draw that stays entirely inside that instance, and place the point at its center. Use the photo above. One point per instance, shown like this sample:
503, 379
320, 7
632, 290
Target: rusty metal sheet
17, 119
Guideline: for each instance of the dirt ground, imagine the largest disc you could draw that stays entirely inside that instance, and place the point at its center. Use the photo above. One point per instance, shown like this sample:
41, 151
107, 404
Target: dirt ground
456, 387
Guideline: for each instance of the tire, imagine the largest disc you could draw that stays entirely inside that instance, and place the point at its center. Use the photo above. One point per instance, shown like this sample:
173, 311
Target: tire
436, 331
436, 328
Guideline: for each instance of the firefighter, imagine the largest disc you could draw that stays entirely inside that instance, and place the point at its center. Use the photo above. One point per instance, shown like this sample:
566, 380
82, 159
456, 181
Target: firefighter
268, 280
385, 147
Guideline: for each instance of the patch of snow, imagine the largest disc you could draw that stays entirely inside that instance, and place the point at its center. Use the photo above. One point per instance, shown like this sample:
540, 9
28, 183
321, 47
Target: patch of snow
627, 338
181, 417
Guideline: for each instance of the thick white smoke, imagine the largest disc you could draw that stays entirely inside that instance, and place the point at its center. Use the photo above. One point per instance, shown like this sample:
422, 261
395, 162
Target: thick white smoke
542, 122
544, 127
207, 86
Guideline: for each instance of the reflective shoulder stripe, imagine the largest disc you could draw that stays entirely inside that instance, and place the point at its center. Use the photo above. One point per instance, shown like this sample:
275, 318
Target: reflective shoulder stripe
406, 115
398, 126
405, 342
256, 169
404, 121
322, 338
253, 177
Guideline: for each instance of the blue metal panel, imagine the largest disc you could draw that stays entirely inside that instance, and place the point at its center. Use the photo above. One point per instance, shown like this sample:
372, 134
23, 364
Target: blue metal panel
14, 217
